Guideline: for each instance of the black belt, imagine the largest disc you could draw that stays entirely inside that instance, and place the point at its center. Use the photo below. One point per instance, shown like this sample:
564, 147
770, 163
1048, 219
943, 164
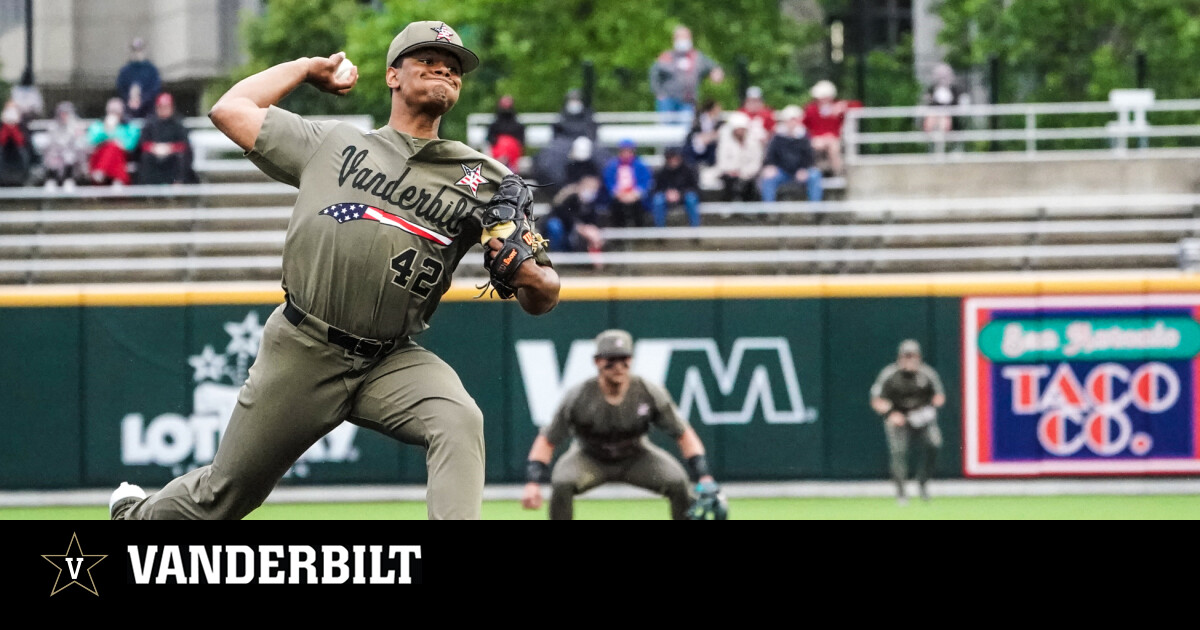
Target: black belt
368, 348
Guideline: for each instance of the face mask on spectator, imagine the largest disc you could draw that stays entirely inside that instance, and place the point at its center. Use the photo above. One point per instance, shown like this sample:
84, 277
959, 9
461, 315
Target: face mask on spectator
683, 44
11, 115
574, 107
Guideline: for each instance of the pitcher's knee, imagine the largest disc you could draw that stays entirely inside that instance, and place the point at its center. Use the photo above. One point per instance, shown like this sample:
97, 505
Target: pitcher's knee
455, 422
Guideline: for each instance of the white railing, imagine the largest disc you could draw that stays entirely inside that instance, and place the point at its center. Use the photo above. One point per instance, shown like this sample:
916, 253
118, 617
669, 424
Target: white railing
651, 130
985, 125
213, 152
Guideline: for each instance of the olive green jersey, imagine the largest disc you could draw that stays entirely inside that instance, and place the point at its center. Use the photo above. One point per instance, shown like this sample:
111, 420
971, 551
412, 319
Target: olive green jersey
381, 221
610, 432
907, 390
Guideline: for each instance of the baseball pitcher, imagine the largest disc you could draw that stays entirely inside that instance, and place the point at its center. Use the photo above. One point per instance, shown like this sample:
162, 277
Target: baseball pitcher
380, 224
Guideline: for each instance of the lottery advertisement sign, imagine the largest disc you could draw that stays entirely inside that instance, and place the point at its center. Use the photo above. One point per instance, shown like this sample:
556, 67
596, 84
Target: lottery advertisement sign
1081, 385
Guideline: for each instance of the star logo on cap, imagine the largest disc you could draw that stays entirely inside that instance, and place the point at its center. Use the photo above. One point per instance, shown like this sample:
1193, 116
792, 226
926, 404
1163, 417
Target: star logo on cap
473, 178
443, 33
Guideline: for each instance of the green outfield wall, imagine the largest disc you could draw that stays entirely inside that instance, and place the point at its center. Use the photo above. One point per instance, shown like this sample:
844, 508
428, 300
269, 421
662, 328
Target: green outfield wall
103, 385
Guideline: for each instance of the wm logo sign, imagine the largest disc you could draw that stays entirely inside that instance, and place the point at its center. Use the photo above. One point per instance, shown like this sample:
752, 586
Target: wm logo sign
759, 368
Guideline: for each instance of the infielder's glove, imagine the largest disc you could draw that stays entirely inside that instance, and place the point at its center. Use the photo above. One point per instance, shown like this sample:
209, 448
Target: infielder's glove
710, 505
509, 217
922, 416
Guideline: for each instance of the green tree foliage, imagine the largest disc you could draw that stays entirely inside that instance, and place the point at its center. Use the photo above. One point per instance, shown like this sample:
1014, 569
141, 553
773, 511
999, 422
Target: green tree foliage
1076, 50
290, 29
535, 50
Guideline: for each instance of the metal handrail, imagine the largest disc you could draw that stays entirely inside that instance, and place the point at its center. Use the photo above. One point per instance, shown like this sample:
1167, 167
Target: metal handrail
1127, 123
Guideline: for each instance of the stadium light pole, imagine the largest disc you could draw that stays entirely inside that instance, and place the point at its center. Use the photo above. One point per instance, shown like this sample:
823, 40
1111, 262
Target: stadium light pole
27, 75
589, 81
864, 25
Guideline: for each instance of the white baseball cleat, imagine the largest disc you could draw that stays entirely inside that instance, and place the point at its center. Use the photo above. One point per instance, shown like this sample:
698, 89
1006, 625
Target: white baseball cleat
123, 498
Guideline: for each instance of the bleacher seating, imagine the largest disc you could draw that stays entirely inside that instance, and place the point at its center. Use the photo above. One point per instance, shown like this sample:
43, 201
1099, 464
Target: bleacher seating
215, 157
234, 231
653, 132
232, 227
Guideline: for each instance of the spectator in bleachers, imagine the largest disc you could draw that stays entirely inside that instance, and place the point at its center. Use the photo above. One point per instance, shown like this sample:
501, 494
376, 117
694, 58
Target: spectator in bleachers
574, 217
506, 134
114, 139
676, 75
824, 117
166, 153
66, 153
754, 107
676, 183
740, 152
790, 158
16, 147
138, 81
628, 182
700, 149
575, 119
29, 102
581, 161
945, 91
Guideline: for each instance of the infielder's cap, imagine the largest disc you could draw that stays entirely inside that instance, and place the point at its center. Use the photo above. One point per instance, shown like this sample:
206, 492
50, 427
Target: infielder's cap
431, 34
910, 347
614, 343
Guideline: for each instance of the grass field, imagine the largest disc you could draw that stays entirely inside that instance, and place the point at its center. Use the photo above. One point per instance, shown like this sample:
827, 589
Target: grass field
1076, 507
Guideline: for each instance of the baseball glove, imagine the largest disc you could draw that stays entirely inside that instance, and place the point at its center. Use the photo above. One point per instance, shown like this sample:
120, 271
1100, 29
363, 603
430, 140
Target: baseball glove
508, 216
710, 505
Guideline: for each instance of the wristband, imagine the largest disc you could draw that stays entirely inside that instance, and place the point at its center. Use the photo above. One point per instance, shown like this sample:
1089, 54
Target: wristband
536, 472
697, 466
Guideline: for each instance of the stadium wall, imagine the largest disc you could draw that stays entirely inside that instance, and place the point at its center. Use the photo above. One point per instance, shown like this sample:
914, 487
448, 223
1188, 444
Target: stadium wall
102, 384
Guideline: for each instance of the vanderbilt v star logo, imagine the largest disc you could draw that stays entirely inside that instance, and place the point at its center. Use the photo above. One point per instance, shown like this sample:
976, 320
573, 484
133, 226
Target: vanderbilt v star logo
472, 178
76, 566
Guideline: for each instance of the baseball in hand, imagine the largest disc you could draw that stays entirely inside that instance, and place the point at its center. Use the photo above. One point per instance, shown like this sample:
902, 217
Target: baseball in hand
342, 74
500, 231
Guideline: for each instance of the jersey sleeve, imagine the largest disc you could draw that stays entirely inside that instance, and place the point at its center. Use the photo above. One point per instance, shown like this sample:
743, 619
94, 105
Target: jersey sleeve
884, 375
938, 390
559, 428
286, 143
666, 414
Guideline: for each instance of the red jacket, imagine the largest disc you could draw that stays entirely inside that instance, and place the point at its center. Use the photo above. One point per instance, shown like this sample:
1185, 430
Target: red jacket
828, 123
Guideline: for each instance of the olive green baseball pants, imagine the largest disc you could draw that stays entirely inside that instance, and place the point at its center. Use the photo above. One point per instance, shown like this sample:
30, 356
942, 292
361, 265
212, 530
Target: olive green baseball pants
901, 440
299, 389
652, 468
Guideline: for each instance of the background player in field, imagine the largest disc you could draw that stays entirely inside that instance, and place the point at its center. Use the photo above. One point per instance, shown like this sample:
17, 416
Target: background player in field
381, 221
609, 417
907, 394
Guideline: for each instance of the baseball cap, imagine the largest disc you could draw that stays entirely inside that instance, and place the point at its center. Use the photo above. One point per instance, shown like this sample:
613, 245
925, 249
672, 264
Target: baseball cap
790, 112
754, 92
824, 89
738, 120
614, 343
910, 346
431, 34
627, 143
